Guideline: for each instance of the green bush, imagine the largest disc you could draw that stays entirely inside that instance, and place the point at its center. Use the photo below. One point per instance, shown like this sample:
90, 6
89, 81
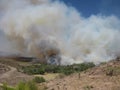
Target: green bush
21, 86
68, 72
33, 69
39, 79
44, 68
5, 87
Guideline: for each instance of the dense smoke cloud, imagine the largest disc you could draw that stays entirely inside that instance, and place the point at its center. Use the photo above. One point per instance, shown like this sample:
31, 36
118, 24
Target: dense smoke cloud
47, 29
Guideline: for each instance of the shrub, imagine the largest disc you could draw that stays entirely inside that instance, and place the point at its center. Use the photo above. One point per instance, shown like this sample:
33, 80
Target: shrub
6, 87
33, 69
61, 76
39, 79
112, 71
88, 87
103, 63
44, 68
21, 86
68, 72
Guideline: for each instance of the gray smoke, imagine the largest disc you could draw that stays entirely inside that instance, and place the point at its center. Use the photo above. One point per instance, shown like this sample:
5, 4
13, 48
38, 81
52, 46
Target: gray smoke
56, 33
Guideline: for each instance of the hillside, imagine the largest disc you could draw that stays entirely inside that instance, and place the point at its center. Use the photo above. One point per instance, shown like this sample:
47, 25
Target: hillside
103, 77
11, 76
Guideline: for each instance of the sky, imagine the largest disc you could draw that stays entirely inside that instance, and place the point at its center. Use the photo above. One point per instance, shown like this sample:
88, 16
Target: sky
90, 7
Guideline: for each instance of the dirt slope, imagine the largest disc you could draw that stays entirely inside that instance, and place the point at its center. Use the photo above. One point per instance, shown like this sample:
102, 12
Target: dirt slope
103, 77
12, 76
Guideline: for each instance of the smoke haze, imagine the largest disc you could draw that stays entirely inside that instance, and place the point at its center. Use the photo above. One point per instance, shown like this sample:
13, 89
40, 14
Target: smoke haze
45, 29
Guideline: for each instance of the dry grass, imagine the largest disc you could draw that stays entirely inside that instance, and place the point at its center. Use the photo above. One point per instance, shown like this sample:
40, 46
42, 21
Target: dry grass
13, 62
49, 76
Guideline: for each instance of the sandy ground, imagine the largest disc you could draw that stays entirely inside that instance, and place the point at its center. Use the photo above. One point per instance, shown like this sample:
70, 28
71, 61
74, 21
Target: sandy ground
93, 79
12, 77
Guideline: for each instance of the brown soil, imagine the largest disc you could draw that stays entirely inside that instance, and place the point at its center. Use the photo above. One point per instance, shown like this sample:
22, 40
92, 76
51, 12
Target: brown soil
93, 79
12, 76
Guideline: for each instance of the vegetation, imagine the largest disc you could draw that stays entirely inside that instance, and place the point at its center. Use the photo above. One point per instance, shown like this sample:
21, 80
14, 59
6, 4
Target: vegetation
5, 87
45, 68
21, 86
112, 71
39, 79
88, 87
103, 63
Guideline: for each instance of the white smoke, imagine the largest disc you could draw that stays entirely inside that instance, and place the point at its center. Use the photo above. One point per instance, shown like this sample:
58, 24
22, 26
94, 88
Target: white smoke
43, 26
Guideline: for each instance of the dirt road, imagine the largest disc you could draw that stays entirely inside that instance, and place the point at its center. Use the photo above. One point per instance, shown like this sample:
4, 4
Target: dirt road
12, 77
8, 73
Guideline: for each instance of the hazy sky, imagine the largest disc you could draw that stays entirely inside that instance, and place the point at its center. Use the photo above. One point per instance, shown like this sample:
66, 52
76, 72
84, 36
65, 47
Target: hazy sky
89, 7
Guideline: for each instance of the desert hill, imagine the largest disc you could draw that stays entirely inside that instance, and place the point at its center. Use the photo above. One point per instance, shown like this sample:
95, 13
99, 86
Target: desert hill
103, 77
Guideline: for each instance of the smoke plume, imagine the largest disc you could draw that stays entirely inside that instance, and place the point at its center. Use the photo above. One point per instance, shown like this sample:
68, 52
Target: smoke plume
57, 33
